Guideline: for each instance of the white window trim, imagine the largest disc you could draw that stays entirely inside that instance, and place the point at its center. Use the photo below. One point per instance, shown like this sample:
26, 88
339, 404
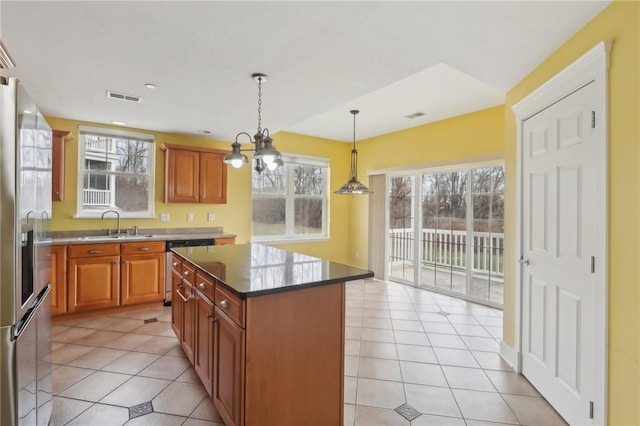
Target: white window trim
289, 236
102, 131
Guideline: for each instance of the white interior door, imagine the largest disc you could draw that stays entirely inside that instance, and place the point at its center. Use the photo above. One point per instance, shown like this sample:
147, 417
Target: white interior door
560, 166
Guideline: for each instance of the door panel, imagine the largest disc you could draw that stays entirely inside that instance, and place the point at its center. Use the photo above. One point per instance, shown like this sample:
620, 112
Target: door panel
559, 166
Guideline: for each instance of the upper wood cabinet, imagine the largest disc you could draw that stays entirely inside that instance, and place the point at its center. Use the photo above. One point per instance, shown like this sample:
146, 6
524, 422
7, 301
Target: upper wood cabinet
195, 175
59, 138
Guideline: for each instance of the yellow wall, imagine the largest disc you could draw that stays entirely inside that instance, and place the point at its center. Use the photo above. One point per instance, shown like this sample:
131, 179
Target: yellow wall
460, 139
235, 216
618, 22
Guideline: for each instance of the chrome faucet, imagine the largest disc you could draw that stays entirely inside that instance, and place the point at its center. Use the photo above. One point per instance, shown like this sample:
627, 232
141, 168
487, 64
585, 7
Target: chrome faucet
118, 222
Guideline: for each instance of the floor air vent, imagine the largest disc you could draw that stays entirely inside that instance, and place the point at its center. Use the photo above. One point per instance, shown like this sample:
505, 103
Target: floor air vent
122, 97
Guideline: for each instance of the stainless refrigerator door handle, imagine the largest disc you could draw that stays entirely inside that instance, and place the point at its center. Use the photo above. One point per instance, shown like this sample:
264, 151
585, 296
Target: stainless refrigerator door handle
24, 322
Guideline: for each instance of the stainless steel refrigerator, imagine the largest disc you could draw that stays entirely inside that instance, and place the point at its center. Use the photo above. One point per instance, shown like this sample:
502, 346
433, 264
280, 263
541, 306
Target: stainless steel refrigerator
25, 267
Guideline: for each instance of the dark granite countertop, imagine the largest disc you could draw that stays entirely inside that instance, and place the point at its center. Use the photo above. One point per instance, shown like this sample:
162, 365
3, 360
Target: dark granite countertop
256, 269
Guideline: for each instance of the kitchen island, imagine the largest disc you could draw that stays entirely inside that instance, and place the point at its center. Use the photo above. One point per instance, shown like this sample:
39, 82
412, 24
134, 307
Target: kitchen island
264, 329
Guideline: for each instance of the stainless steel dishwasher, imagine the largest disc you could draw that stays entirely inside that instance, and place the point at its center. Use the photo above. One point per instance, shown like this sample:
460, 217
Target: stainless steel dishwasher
191, 242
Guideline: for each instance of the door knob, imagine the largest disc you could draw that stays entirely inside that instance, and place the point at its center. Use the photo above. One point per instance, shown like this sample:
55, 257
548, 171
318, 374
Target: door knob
524, 260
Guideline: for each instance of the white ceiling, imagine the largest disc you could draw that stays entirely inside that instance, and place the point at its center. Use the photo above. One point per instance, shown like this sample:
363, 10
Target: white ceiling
387, 59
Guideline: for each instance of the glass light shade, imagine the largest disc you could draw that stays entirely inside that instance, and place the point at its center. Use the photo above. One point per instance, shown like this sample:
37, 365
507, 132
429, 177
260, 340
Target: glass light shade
236, 159
236, 163
275, 164
354, 187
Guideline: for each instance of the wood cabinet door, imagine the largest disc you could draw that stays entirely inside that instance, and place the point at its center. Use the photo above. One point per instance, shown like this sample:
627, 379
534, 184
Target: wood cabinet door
93, 283
213, 178
142, 278
228, 369
182, 171
203, 356
58, 281
58, 139
187, 338
177, 305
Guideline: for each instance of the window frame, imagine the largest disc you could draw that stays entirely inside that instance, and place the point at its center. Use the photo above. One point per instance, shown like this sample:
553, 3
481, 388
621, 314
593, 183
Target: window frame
290, 160
82, 172
417, 175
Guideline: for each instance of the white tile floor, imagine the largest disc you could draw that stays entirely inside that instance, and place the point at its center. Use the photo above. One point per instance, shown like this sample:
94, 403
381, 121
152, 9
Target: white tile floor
404, 345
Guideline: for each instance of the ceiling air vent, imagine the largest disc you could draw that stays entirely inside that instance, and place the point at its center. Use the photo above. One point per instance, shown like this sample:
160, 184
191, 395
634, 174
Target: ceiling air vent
415, 115
122, 97
5, 59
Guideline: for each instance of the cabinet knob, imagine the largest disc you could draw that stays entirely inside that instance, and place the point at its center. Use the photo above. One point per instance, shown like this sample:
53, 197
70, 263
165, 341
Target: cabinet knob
211, 318
175, 263
186, 273
224, 304
202, 286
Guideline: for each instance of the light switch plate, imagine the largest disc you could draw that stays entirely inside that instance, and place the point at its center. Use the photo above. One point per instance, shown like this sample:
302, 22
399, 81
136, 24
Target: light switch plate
164, 217
189, 217
210, 217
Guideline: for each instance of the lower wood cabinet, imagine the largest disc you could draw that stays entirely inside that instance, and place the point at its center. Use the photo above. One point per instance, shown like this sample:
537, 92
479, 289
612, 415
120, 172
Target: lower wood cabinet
203, 352
228, 371
93, 283
187, 337
253, 355
109, 275
58, 280
143, 272
177, 305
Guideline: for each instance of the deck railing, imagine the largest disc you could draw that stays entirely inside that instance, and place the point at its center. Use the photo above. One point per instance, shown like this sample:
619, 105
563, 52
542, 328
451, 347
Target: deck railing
449, 248
96, 197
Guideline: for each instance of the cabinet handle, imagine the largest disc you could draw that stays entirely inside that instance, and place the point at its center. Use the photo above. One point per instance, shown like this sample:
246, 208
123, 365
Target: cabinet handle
224, 304
184, 299
94, 252
211, 318
144, 249
202, 286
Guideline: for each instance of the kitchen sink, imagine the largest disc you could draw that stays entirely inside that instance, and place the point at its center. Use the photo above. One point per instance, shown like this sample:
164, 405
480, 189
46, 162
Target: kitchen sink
115, 237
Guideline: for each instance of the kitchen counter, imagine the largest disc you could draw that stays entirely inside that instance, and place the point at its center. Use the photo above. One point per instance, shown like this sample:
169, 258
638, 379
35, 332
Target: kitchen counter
255, 269
163, 234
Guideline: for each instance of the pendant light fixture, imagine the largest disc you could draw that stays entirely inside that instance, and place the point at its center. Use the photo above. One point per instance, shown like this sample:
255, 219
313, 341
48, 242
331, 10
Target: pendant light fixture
265, 153
354, 186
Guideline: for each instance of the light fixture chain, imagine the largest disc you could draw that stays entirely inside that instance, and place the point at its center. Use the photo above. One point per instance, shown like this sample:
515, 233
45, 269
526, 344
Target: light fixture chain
259, 104
354, 131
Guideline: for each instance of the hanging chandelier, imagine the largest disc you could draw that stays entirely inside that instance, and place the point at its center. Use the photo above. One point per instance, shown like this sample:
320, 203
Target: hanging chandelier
354, 186
265, 153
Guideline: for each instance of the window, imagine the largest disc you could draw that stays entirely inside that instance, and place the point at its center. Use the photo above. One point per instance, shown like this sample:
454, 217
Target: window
446, 231
290, 203
115, 171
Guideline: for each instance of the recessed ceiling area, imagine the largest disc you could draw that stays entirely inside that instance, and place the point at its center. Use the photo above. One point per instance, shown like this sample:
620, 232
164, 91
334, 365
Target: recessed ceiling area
387, 59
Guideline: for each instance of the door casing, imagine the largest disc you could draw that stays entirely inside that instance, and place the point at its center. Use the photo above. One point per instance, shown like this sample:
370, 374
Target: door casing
592, 66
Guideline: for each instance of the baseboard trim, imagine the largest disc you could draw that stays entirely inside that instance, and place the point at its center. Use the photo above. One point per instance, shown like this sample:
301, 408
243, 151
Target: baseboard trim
510, 356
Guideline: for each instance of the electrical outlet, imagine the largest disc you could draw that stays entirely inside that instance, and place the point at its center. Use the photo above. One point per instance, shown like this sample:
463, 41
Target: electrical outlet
164, 217
189, 217
210, 217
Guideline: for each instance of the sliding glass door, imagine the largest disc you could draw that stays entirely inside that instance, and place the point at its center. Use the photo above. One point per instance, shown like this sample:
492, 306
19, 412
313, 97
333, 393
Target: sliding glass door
446, 231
